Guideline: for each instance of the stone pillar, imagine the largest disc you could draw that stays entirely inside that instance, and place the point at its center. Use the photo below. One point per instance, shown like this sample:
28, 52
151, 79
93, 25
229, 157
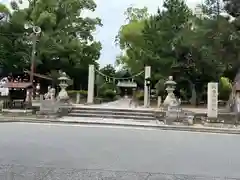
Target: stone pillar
28, 95
146, 93
91, 77
52, 93
159, 101
29, 98
78, 98
41, 97
38, 91
212, 101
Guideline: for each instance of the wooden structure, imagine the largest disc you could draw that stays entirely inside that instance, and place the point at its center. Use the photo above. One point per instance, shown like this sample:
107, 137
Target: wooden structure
126, 85
39, 75
44, 80
20, 89
18, 96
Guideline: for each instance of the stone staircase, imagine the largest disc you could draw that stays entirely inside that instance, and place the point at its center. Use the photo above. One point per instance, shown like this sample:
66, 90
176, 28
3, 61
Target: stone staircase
114, 113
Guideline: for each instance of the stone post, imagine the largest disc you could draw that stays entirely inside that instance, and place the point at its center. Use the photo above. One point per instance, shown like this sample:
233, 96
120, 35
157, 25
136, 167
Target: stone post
91, 77
38, 91
78, 98
41, 97
146, 89
212, 100
159, 101
52, 94
28, 99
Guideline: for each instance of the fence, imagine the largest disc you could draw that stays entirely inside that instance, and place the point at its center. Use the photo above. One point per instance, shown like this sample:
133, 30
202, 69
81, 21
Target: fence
19, 172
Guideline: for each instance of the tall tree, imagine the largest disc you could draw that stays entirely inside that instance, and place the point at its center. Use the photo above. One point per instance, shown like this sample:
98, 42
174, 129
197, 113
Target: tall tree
232, 7
195, 50
130, 39
108, 70
160, 34
212, 7
14, 51
66, 41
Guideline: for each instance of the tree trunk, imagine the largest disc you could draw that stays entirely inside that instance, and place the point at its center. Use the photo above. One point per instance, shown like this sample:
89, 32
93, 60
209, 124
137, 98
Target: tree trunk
193, 99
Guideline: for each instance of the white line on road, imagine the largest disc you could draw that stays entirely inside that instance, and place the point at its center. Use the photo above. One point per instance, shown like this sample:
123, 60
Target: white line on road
86, 125
117, 127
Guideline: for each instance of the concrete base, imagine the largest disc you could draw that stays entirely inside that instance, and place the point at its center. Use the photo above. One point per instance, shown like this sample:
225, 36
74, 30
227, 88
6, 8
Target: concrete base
89, 112
17, 110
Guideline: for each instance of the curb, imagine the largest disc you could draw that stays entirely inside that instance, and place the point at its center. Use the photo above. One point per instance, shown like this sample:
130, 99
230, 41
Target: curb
160, 127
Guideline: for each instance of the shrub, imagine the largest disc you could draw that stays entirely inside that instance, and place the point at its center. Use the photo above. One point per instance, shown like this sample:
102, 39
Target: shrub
73, 93
109, 94
106, 86
225, 88
140, 95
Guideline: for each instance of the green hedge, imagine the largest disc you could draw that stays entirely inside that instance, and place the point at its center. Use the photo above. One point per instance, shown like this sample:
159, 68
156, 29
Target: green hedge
74, 93
109, 94
140, 95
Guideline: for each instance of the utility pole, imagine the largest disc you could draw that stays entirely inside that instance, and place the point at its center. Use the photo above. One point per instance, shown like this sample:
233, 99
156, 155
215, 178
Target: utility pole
36, 30
34, 40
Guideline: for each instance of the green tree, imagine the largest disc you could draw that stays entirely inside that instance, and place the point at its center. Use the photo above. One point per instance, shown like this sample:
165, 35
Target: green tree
195, 50
66, 42
232, 7
136, 14
108, 70
130, 39
212, 7
14, 51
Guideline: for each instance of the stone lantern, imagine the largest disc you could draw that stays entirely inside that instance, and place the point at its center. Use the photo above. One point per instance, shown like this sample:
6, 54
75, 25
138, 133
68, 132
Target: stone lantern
63, 95
170, 87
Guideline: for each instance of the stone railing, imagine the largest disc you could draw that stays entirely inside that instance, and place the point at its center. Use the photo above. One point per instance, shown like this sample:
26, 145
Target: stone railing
179, 116
53, 108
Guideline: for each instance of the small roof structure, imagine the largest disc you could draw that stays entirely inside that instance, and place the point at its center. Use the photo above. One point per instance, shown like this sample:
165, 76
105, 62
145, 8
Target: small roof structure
127, 84
18, 85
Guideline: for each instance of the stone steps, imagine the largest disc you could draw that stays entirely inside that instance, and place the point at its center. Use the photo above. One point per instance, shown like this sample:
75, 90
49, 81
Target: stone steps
112, 116
97, 111
112, 113
116, 109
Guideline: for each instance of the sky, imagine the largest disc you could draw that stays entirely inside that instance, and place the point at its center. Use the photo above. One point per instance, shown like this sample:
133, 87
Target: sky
112, 15
111, 12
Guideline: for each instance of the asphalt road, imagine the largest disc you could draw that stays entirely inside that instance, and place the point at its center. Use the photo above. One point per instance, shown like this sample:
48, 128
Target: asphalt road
63, 152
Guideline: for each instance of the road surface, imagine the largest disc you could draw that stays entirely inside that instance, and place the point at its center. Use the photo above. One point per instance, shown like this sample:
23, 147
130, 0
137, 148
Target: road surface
58, 152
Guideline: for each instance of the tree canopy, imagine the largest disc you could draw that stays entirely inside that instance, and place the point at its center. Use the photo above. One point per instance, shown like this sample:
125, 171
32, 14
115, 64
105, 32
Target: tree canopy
195, 48
176, 41
66, 42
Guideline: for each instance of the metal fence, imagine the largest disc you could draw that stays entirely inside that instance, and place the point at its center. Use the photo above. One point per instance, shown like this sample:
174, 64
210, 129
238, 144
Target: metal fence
19, 172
